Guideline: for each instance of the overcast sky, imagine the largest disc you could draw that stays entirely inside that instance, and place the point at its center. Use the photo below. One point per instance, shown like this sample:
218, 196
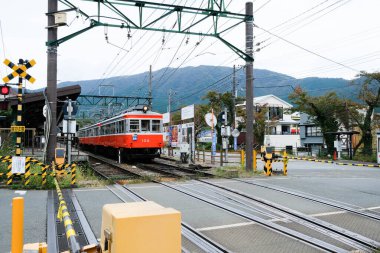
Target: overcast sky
344, 31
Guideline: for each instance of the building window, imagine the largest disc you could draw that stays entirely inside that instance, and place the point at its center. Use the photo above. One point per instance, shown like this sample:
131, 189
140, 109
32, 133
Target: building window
313, 131
275, 113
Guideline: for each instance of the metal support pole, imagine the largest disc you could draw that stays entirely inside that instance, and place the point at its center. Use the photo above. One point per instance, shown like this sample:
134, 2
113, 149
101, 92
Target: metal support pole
226, 138
249, 87
17, 225
69, 110
213, 141
52, 81
150, 87
221, 157
19, 112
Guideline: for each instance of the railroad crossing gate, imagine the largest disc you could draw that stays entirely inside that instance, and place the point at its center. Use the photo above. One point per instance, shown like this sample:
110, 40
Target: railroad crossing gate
19, 70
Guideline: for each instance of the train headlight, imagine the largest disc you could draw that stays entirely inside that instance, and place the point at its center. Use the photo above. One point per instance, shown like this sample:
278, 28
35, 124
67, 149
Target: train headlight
145, 108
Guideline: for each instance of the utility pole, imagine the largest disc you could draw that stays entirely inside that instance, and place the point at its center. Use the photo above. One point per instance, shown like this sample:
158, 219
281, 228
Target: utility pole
150, 87
52, 80
170, 118
234, 97
226, 126
69, 130
249, 87
169, 107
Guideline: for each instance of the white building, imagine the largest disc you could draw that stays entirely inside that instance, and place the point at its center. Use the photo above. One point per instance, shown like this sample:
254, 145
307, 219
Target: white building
282, 125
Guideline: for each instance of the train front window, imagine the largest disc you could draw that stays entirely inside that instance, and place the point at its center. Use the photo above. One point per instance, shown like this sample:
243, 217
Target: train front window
145, 125
134, 125
156, 126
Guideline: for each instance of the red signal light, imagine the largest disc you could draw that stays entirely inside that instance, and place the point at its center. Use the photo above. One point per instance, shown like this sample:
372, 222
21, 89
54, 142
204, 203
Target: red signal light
4, 90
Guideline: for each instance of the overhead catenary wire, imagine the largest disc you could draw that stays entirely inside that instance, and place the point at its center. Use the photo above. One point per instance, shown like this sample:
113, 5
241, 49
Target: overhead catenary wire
3, 44
307, 50
298, 24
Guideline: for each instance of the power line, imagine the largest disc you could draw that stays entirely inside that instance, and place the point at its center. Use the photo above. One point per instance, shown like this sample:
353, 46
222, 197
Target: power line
2, 40
307, 50
262, 6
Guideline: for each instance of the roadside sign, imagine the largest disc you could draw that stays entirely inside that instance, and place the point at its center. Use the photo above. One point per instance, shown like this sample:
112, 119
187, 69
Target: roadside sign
213, 145
235, 133
19, 71
17, 129
187, 112
210, 119
18, 164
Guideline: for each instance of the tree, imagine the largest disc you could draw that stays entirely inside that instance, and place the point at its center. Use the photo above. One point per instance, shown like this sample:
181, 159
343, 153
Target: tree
370, 95
260, 123
324, 111
219, 101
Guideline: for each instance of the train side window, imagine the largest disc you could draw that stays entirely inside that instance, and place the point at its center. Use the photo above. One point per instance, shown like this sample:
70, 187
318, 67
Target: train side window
122, 126
156, 126
113, 128
134, 125
145, 125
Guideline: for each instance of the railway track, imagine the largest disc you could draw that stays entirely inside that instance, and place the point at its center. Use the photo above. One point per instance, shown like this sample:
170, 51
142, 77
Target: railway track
338, 239
328, 202
203, 243
354, 240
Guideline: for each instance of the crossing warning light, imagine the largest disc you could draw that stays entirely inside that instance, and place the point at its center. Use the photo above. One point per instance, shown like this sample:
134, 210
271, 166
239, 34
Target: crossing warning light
4, 90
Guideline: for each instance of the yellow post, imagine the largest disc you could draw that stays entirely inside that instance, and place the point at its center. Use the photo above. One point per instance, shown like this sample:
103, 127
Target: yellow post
285, 159
254, 160
242, 158
268, 167
17, 225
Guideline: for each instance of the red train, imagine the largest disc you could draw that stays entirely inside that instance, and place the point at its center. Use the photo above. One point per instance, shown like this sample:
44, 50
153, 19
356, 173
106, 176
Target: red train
136, 133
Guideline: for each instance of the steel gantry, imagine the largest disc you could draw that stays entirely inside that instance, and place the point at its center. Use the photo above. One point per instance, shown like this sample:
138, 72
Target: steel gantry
216, 10
106, 100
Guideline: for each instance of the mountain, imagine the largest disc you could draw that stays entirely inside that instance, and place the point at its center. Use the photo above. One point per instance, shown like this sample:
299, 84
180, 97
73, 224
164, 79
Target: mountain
190, 84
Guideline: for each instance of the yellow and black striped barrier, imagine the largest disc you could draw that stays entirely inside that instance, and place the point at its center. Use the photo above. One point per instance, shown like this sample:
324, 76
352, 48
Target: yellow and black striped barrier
63, 214
64, 169
337, 163
310, 159
360, 164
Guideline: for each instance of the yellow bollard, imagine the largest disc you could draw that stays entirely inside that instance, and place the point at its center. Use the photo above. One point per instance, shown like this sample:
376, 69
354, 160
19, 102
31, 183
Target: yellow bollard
268, 167
285, 159
242, 157
254, 160
17, 225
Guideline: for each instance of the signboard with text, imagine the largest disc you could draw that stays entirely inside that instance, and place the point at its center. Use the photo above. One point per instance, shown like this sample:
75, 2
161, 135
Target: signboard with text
18, 165
187, 112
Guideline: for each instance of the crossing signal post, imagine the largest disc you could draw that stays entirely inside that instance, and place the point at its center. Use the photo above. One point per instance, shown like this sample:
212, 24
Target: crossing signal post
20, 71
